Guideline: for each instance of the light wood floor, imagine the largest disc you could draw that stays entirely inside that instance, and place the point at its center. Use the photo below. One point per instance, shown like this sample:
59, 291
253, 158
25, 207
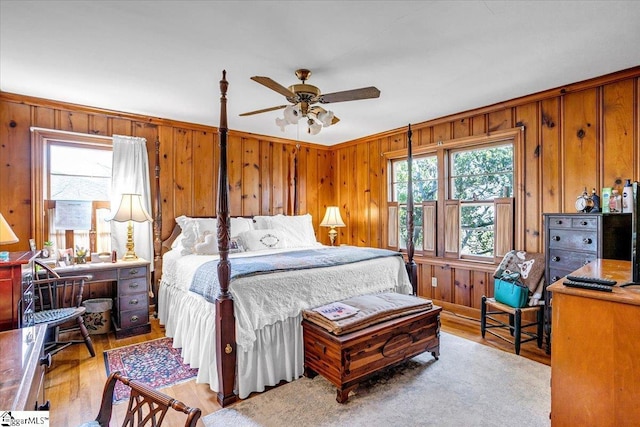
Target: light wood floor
75, 380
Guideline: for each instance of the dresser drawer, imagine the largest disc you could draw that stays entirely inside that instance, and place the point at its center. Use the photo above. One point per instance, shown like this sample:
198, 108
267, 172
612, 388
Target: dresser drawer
569, 260
584, 223
132, 286
573, 239
129, 319
133, 301
559, 222
126, 273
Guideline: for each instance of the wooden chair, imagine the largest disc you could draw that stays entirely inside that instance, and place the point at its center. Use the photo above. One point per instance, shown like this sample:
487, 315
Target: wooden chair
146, 405
58, 303
494, 314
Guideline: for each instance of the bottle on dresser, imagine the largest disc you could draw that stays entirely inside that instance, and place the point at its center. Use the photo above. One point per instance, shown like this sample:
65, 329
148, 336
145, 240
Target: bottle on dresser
606, 199
615, 202
627, 197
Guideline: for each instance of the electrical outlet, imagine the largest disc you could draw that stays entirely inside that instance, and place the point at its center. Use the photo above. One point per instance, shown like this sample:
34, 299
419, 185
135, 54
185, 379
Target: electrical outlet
434, 282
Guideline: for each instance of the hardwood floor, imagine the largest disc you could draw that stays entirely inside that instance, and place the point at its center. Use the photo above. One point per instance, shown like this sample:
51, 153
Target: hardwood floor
75, 380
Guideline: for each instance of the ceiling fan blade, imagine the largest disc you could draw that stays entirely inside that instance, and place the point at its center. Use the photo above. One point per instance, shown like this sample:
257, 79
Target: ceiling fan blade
264, 110
350, 95
273, 85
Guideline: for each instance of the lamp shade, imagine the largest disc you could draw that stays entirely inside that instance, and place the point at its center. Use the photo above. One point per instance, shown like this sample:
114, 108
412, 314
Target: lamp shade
332, 218
6, 233
131, 209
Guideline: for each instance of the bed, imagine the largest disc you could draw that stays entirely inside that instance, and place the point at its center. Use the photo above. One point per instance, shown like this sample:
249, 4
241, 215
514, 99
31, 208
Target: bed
245, 333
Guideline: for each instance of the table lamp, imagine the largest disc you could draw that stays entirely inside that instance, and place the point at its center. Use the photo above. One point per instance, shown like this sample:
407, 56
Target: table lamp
7, 236
130, 210
332, 219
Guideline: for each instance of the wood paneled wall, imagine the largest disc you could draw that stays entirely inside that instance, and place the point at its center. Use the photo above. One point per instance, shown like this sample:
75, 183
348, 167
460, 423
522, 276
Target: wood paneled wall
582, 135
585, 134
261, 169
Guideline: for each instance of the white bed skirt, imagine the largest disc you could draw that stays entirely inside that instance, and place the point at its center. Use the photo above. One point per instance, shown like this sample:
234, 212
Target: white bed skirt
277, 354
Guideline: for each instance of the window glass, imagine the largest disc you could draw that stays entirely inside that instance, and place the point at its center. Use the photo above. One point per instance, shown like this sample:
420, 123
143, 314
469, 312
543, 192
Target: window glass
425, 187
482, 173
79, 173
477, 229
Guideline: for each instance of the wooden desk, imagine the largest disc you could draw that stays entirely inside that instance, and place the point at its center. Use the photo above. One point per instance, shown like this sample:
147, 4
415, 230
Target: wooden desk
21, 369
128, 285
595, 357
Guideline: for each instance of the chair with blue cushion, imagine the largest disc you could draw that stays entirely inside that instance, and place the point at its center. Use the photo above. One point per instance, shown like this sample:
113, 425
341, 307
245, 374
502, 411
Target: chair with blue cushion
520, 324
58, 304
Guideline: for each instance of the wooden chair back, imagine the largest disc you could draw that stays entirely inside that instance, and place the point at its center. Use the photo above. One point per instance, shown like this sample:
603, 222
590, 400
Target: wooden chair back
146, 407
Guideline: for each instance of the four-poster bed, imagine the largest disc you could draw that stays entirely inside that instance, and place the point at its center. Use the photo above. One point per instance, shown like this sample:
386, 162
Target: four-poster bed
214, 335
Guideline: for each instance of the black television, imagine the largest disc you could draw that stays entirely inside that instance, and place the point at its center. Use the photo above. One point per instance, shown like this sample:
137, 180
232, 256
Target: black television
635, 235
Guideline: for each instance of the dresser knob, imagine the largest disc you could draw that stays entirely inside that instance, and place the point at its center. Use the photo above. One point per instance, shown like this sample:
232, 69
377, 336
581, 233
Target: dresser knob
555, 258
46, 360
133, 285
587, 241
583, 222
555, 238
134, 319
133, 302
558, 221
132, 272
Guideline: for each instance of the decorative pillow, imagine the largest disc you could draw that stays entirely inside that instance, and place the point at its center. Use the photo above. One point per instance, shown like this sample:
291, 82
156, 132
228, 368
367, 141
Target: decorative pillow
297, 229
235, 245
255, 240
262, 222
177, 242
209, 245
193, 231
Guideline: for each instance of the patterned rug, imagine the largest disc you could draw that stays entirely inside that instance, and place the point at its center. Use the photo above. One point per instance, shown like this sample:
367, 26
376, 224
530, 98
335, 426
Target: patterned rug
155, 363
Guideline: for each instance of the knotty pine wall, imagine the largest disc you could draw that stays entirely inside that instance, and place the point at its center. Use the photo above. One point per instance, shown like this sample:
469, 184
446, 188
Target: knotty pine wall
581, 135
261, 169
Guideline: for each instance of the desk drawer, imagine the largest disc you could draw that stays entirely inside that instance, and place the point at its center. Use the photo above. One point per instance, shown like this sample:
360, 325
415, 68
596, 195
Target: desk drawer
572, 239
101, 275
130, 272
130, 319
133, 301
132, 286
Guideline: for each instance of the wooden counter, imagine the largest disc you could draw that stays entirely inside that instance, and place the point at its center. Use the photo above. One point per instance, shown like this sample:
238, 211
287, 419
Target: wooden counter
21, 373
595, 353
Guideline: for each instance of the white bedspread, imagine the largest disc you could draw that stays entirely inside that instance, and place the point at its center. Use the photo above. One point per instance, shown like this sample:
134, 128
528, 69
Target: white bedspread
268, 313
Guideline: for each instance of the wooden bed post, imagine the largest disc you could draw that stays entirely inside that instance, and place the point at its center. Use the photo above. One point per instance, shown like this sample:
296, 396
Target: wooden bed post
225, 319
412, 268
157, 230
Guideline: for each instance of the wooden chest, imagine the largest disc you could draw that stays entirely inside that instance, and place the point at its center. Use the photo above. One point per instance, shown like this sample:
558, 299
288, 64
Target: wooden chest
345, 360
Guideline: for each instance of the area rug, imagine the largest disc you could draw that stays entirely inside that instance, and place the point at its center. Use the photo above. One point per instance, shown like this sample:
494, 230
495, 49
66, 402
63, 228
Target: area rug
470, 385
155, 363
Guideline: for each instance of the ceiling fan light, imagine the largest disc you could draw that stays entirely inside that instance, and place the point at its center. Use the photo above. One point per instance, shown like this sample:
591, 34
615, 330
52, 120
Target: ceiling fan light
326, 118
292, 114
314, 128
282, 123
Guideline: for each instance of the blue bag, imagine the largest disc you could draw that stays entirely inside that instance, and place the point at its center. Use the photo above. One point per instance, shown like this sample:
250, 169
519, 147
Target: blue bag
511, 292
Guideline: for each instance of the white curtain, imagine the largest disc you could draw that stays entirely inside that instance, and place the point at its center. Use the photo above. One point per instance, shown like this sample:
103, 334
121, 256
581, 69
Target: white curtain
130, 174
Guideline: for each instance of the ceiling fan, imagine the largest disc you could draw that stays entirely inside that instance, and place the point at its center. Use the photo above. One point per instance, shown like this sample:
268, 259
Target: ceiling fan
303, 97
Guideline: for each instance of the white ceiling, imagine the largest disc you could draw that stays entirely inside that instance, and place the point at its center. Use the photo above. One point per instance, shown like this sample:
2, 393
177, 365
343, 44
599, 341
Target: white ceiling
428, 58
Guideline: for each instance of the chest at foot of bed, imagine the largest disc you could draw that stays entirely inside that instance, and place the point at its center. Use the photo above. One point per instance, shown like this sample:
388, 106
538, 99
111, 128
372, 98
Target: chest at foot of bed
346, 360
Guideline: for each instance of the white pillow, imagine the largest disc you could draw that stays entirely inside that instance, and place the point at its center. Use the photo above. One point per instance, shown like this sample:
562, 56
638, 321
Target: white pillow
209, 245
255, 240
240, 225
297, 229
262, 222
194, 231
177, 242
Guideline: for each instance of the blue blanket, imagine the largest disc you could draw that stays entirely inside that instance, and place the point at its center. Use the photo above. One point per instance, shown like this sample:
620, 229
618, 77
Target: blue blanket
205, 280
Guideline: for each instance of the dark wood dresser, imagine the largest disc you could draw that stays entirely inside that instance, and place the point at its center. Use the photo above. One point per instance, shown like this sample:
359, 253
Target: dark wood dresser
573, 240
22, 368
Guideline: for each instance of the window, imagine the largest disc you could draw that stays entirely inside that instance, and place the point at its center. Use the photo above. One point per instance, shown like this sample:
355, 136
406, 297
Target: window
463, 201
75, 168
478, 176
425, 188
81, 172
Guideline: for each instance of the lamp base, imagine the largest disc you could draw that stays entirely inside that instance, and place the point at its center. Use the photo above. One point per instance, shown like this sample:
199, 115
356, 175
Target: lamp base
332, 235
130, 255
